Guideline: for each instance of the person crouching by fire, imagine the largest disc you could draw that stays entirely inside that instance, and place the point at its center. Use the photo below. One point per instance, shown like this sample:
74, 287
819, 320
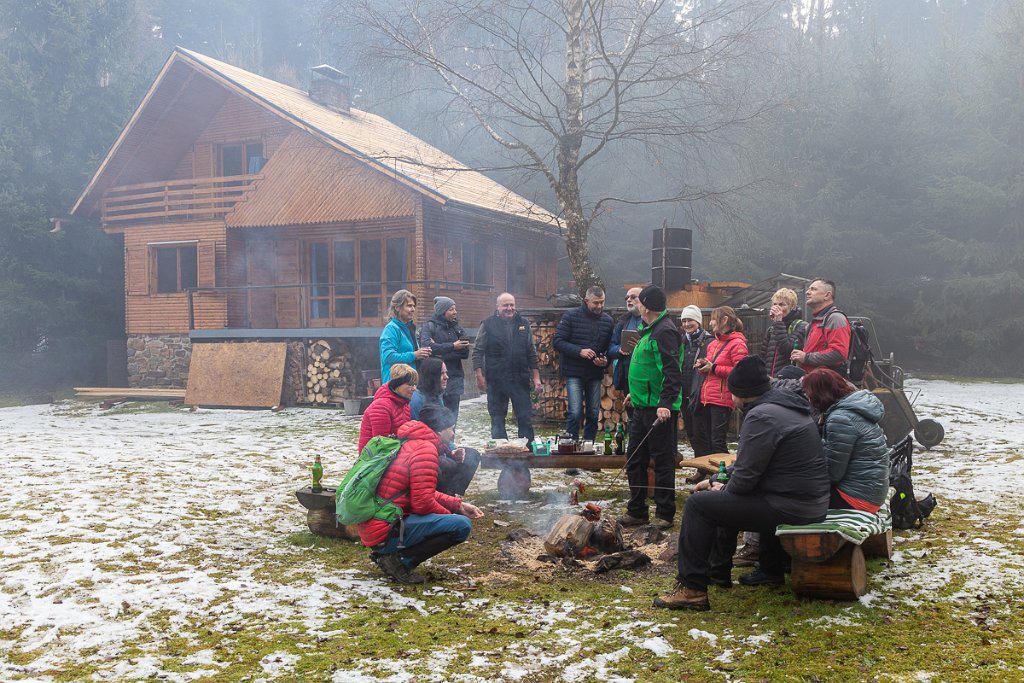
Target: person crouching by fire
432, 521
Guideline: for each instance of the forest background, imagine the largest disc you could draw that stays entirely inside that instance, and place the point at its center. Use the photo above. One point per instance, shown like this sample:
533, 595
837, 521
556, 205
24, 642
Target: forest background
885, 150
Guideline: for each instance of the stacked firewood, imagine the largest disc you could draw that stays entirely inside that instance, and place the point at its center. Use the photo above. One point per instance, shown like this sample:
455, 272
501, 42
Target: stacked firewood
550, 403
330, 373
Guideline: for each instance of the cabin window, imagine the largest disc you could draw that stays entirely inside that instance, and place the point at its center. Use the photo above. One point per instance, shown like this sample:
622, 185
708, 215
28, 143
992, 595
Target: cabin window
350, 278
474, 263
345, 272
241, 159
518, 272
176, 268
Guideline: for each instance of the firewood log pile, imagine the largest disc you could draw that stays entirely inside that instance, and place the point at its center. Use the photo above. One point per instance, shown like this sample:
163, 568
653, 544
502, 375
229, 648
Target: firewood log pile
330, 373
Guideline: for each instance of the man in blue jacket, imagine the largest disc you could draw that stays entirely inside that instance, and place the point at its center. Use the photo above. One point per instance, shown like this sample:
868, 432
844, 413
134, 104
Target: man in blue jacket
582, 337
620, 353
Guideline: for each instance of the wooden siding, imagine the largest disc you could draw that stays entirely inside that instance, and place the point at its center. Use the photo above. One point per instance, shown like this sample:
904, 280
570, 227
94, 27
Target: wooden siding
446, 229
147, 312
305, 182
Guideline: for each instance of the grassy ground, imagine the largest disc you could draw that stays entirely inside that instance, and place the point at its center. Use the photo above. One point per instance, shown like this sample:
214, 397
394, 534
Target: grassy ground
260, 598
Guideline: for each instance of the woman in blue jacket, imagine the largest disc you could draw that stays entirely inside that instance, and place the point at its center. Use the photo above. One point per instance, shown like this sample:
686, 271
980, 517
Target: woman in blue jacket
398, 340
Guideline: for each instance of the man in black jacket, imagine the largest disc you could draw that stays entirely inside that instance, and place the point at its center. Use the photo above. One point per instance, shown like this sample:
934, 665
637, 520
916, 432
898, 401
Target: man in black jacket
780, 477
448, 341
505, 364
582, 337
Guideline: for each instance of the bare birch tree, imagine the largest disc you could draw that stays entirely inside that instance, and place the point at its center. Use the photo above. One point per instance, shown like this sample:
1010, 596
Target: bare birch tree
559, 84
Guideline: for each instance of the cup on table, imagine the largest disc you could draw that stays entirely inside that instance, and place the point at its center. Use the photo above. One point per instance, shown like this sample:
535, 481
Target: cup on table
598, 448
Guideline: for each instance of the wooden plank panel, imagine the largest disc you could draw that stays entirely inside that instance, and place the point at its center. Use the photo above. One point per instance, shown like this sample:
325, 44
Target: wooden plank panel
287, 272
206, 254
244, 375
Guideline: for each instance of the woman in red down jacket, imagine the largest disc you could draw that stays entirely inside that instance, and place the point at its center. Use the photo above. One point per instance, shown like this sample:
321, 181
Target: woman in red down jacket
714, 407
433, 521
389, 409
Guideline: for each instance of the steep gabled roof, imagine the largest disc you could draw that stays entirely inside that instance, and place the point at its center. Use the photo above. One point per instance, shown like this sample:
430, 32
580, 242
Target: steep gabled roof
365, 136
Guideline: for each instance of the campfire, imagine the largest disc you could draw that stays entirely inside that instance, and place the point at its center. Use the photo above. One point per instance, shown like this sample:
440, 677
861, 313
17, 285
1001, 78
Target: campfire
586, 535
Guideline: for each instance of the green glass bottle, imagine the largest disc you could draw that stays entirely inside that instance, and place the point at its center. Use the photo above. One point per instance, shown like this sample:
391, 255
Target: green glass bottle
318, 474
620, 440
722, 477
607, 439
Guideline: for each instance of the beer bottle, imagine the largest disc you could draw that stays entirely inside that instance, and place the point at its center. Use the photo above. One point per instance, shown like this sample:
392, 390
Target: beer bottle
318, 474
620, 440
722, 477
608, 439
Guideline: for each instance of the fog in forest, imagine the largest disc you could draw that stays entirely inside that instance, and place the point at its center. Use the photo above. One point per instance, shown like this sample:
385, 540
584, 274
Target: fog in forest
878, 143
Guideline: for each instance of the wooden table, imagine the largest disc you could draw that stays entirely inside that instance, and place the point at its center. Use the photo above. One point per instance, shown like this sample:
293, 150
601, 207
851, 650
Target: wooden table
514, 480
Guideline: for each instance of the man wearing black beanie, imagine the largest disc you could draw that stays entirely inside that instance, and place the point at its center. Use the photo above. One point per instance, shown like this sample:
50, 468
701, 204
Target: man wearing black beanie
780, 477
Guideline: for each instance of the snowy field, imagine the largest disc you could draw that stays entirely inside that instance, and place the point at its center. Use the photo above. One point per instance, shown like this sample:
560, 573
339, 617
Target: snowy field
123, 530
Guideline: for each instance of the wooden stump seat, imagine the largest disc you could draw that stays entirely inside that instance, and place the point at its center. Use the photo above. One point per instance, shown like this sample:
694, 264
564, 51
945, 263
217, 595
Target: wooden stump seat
320, 514
826, 565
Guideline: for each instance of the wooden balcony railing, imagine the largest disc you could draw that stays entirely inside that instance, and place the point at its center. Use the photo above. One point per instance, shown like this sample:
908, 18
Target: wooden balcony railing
191, 199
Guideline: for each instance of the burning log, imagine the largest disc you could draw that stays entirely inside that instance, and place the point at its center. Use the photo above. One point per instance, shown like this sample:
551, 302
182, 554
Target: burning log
584, 534
629, 559
569, 536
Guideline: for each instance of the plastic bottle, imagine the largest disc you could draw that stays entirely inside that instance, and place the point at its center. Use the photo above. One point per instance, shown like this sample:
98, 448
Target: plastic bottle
318, 474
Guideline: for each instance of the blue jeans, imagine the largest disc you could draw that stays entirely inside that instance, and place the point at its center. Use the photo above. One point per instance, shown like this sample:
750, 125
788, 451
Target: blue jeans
426, 536
577, 390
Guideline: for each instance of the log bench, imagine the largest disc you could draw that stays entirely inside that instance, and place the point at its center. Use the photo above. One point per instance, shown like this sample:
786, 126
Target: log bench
828, 558
320, 514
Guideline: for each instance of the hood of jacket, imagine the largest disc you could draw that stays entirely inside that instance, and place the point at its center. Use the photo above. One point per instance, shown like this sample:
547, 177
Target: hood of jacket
444, 322
863, 403
785, 398
414, 429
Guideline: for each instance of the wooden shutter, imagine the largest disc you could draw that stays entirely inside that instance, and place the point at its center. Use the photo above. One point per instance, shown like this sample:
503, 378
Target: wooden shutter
206, 254
136, 270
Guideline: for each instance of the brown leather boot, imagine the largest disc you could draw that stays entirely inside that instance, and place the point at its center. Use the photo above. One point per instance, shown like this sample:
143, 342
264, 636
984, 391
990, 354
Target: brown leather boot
682, 597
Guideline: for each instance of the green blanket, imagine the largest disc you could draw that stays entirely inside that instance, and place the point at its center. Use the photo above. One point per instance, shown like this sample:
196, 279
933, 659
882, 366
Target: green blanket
853, 525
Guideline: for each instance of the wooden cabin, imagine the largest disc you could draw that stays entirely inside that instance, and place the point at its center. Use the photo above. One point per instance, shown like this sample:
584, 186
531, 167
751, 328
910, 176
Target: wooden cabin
250, 209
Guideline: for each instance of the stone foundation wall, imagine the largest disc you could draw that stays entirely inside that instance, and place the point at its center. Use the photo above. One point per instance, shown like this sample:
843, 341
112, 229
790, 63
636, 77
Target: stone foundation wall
158, 360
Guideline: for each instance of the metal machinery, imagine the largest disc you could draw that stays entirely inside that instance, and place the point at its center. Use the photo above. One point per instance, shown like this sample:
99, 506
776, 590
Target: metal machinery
885, 379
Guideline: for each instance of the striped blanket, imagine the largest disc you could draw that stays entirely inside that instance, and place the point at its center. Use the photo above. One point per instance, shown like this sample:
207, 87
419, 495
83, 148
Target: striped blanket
853, 525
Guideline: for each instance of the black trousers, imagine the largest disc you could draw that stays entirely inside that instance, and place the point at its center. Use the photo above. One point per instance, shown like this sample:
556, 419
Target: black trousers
498, 396
454, 477
710, 425
707, 539
657, 450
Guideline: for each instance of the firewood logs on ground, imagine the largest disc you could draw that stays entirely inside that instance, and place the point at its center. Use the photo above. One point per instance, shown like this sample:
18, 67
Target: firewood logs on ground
588, 536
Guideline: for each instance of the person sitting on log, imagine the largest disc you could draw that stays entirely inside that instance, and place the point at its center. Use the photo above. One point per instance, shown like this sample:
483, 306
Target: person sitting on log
389, 409
433, 521
458, 465
854, 443
779, 478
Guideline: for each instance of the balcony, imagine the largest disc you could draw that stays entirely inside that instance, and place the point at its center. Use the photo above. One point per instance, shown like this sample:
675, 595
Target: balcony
192, 199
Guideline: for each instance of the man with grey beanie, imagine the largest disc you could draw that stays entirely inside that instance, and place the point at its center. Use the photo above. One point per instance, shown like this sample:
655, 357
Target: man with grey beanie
448, 341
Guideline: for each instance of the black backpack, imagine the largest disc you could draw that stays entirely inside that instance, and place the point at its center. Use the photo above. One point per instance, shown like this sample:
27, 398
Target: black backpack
859, 353
907, 511
860, 350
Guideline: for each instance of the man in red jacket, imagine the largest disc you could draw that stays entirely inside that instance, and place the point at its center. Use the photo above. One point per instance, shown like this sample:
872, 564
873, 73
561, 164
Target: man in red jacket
433, 521
828, 339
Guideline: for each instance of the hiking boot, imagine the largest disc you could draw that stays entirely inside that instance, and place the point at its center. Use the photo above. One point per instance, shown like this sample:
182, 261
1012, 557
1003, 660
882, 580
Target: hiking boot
746, 556
682, 597
392, 565
629, 520
661, 524
760, 578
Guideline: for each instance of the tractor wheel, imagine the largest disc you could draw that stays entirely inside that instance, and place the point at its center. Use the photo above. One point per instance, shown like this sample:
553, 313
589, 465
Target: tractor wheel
929, 433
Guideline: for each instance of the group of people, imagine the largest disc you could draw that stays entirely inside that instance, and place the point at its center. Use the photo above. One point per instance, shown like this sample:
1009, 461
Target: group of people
808, 441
